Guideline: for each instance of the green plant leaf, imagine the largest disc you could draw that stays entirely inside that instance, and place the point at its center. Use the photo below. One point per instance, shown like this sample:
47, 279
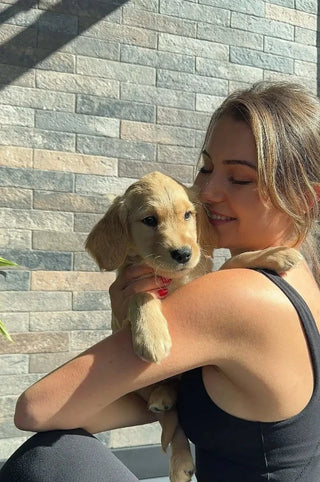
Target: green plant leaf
5, 262
4, 332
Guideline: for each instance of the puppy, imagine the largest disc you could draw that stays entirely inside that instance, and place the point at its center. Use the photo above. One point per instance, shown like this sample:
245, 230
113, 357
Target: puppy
161, 223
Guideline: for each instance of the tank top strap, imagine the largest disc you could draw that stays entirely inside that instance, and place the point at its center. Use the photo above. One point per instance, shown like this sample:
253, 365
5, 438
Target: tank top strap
307, 320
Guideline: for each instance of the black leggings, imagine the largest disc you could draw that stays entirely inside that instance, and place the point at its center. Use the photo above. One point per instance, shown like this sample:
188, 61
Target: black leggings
64, 456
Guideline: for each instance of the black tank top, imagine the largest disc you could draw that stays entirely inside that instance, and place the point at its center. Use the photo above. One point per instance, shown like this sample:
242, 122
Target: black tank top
231, 449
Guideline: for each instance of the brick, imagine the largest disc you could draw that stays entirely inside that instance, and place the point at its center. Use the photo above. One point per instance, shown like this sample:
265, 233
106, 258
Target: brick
230, 36
131, 436
182, 118
305, 69
15, 238
200, 137
252, 7
292, 16
192, 83
16, 75
70, 281
73, 202
49, 342
12, 280
208, 103
37, 98
182, 9
154, 133
40, 259
202, 48
308, 82
15, 156
14, 364
58, 241
177, 155
263, 26
23, 17
283, 3
77, 84
158, 96
25, 219
228, 71
7, 405
290, 49
118, 71
86, 8
305, 36
151, 5
82, 261
81, 340
35, 301
19, 116
15, 384
154, 58
262, 60
90, 301
101, 185
18, 35
70, 320
120, 109
10, 445
11, 197
40, 139
310, 6
47, 362
120, 33
36, 179
83, 223
115, 148
74, 162
77, 123
79, 45
15, 322
56, 22
30, 57
138, 169
158, 22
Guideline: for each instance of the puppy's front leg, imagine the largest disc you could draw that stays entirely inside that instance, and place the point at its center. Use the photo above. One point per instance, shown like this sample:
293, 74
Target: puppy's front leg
150, 335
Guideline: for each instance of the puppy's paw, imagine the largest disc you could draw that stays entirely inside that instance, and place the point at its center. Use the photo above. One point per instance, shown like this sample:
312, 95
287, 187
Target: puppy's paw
181, 467
152, 346
279, 259
162, 398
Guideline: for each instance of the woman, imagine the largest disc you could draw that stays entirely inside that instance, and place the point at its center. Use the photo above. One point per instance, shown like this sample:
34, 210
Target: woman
248, 340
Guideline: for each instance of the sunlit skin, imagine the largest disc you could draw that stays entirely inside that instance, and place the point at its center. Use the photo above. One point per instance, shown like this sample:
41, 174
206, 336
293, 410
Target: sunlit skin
228, 187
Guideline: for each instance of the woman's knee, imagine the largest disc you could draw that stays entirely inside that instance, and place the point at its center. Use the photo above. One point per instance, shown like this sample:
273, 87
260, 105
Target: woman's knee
64, 455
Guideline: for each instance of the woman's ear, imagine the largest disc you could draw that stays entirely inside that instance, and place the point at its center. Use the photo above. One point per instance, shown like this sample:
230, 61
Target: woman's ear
316, 188
108, 241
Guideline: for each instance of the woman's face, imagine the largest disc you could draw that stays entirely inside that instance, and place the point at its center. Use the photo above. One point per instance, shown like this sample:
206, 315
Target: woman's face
227, 179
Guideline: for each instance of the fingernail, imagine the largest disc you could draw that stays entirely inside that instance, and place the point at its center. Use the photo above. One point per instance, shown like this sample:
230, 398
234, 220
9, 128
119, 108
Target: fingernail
165, 281
162, 292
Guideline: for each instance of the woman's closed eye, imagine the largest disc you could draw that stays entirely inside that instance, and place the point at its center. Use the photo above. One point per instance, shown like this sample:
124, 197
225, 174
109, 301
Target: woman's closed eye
239, 181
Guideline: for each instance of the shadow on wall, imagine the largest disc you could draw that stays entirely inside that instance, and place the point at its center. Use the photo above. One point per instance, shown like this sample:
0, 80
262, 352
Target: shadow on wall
50, 30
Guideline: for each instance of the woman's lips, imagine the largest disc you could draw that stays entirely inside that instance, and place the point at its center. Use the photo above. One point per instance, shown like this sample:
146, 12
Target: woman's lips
217, 219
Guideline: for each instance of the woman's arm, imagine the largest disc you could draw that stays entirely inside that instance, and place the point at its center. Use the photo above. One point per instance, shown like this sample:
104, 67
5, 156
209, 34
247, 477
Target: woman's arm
200, 318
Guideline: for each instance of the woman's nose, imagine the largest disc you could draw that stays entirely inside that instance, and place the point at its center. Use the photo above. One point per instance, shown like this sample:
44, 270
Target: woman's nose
211, 189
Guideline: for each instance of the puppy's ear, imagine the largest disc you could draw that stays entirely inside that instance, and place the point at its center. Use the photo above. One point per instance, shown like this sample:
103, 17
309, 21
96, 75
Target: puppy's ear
206, 236
108, 241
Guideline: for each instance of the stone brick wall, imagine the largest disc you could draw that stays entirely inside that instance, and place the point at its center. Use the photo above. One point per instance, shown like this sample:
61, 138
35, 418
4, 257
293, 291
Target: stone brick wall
91, 99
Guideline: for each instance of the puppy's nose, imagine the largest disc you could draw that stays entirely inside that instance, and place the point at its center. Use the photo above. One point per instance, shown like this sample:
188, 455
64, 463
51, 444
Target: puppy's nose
182, 255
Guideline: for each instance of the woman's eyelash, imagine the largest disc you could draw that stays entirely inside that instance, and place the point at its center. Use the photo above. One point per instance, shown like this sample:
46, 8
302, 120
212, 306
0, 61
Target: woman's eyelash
203, 170
235, 181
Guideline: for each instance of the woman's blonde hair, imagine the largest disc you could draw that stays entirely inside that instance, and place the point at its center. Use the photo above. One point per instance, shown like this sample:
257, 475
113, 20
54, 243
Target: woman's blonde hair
285, 121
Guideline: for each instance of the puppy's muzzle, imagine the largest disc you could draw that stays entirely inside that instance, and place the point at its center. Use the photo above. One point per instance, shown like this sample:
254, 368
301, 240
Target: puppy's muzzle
182, 255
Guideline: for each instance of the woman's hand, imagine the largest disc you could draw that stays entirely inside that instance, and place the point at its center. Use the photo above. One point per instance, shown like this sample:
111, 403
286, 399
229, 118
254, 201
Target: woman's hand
135, 279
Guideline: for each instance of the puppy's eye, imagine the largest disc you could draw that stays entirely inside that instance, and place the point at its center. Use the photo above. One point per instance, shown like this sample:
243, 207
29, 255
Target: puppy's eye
187, 215
150, 221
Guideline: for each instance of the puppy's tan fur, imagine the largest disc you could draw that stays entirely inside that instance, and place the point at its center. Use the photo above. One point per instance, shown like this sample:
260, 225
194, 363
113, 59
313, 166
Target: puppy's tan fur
154, 220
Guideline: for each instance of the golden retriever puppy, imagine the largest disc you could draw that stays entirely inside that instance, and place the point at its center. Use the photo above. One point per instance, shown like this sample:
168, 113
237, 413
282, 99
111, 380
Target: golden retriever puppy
160, 222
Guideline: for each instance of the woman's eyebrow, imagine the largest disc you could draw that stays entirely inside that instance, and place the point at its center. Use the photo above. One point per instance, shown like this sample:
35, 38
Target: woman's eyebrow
242, 162
229, 162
